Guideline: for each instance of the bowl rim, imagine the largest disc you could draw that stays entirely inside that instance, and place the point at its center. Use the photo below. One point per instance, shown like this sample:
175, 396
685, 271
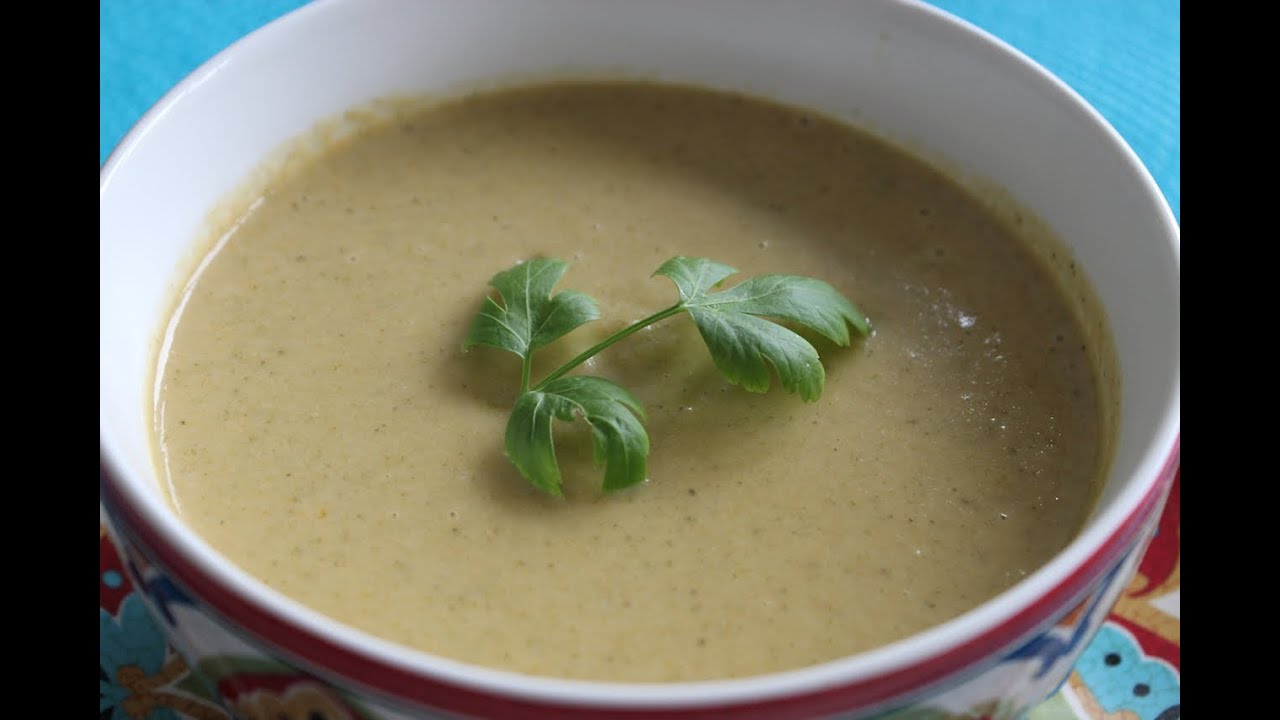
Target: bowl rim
933, 656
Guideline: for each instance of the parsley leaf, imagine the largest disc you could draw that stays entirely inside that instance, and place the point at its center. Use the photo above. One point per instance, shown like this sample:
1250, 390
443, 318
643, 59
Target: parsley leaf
530, 317
740, 340
734, 323
615, 416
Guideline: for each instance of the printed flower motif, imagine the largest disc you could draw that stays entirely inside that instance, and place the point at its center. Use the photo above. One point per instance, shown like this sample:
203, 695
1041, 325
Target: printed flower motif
301, 701
258, 690
135, 668
130, 641
1115, 677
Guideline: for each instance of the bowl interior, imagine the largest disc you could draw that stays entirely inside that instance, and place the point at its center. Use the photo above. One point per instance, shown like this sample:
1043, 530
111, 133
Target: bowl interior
905, 71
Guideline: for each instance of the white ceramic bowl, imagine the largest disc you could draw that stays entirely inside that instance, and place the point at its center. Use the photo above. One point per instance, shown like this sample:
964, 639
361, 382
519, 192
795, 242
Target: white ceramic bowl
909, 72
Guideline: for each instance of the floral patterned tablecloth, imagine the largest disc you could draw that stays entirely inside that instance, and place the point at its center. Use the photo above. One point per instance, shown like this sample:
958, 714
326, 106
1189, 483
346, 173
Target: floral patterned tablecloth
1129, 672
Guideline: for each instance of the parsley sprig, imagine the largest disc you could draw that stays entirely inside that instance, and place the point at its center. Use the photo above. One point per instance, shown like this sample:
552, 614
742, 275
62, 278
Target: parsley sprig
737, 324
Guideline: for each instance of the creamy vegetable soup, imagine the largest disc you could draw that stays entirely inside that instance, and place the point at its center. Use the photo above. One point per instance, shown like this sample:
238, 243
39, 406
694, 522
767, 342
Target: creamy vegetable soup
318, 421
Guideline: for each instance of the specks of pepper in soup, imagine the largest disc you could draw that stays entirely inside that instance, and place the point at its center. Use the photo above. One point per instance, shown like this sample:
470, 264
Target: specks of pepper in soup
320, 426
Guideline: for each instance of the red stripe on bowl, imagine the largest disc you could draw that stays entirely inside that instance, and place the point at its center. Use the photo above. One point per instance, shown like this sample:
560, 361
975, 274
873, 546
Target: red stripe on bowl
311, 650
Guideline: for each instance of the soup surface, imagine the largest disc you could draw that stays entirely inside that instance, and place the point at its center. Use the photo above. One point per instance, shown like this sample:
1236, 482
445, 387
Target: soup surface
319, 423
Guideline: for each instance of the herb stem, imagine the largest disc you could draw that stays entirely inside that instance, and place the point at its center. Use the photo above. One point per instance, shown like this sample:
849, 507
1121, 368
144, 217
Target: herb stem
526, 367
595, 349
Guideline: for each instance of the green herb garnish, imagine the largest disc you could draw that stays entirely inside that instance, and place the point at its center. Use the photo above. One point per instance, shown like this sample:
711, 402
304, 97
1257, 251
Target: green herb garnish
732, 322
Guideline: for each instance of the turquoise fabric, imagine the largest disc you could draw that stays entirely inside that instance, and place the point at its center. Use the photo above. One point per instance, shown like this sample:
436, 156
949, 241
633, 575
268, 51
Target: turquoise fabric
1123, 56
